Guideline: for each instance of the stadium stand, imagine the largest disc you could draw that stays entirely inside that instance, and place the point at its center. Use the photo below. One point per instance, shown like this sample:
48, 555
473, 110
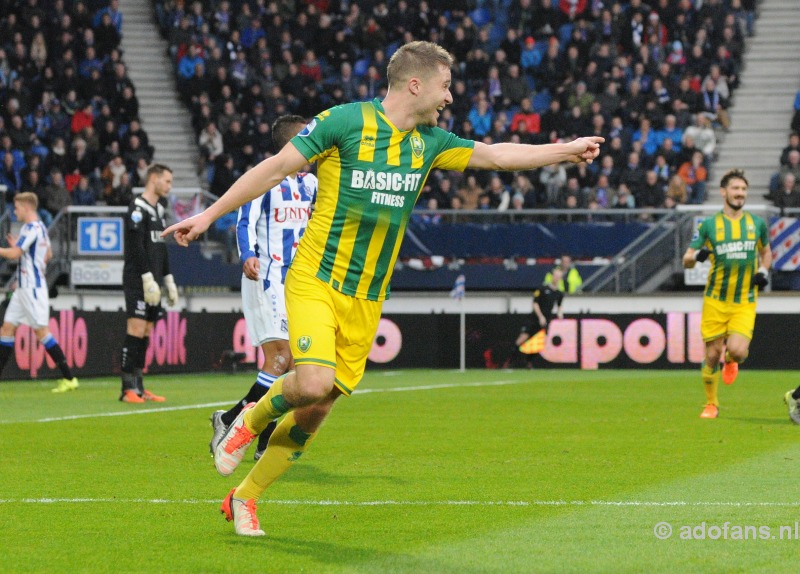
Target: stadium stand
69, 127
784, 185
655, 79
614, 69
763, 110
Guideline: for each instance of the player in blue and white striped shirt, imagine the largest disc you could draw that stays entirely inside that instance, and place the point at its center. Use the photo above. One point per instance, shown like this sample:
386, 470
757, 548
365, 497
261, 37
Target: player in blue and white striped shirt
30, 303
268, 232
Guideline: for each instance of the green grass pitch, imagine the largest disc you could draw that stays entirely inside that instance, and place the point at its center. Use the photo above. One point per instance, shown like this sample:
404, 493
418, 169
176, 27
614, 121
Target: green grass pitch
420, 472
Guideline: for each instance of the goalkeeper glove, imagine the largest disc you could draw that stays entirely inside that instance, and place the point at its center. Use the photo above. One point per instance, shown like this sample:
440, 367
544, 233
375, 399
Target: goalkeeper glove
152, 292
702, 254
172, 289
761, 278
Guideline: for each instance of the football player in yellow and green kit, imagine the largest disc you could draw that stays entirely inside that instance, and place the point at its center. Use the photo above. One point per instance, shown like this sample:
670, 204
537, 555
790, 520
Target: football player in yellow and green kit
737, 243
373, 159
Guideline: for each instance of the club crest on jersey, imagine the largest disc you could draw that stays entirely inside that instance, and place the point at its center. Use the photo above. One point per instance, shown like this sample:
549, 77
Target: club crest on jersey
304, 343
417, 146
136, 216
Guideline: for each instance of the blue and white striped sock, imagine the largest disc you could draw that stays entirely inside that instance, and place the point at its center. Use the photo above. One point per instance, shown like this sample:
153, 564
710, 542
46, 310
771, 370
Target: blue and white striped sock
265, 379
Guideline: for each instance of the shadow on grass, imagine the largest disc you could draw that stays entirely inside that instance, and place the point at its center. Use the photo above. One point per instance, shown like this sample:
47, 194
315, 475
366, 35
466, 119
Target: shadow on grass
762, 421
309, 473
334, 557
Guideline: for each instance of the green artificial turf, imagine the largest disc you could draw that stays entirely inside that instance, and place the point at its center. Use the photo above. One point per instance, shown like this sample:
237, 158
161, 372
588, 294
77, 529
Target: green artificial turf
422, 471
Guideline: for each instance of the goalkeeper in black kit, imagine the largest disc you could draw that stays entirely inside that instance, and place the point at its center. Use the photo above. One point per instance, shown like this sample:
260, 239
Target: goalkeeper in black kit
146, 269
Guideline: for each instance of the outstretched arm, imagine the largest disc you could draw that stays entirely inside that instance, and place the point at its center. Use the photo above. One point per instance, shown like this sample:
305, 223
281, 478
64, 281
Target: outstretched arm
516, 157
249, 186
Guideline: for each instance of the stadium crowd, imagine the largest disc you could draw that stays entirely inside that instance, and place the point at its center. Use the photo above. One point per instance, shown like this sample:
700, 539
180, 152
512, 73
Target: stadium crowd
69, 125
654, 79
784, 185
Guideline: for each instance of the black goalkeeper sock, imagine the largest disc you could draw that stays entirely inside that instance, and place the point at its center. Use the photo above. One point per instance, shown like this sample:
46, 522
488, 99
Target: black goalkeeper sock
138, 367
142, 356
129, 361
253, 395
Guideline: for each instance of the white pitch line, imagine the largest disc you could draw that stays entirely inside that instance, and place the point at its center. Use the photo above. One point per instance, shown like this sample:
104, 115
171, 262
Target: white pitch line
529, 503
434, 387
126, 413
228, 403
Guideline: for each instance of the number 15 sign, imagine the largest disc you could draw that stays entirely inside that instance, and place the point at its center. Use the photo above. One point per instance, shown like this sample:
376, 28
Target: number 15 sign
100, 236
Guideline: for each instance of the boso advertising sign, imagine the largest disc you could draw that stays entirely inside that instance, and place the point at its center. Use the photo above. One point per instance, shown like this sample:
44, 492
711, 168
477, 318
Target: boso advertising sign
96, 272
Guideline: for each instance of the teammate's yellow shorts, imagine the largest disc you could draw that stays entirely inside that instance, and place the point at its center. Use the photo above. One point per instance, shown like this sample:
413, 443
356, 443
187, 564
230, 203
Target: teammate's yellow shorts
720, 319
329, 328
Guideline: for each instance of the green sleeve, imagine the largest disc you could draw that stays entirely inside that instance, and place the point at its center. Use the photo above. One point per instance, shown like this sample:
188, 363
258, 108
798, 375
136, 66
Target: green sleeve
763, 235
701, 237
324, 132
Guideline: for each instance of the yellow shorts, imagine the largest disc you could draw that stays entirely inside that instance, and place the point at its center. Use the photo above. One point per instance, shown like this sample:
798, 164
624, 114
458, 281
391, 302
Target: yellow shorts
329, 328
720, 319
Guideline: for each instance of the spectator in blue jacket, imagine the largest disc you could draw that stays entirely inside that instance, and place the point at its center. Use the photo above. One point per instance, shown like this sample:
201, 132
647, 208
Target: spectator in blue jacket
10, 176
38, 122
112, 10
89, 62
481, 117
189, 61
670, 131
530, 57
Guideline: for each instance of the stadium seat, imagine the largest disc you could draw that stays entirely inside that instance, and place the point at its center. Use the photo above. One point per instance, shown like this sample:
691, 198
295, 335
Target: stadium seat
360, 67
391, 49
564, 33
480, 17
541, 101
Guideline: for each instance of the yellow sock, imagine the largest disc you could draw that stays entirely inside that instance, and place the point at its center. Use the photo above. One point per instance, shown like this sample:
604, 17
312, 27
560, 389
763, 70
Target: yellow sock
711, 383
269, 407
287, 443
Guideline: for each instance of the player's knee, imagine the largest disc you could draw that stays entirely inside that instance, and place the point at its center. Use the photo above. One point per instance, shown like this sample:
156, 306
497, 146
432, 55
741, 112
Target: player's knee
315, 385
738, 354
318, 390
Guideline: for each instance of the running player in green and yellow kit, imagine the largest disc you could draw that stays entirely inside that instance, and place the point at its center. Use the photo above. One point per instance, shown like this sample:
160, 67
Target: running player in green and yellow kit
737, 242
373, 159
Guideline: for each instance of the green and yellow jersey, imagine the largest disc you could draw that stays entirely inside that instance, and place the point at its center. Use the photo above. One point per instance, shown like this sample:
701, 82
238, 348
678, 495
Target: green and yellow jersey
734, 245
370, 175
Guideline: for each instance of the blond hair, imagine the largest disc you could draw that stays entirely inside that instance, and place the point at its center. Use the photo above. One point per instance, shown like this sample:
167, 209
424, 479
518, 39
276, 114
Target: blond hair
421, 59
28, 197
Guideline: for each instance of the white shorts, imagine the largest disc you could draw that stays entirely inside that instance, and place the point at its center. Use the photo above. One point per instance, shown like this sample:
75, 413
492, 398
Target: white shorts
264, 311
30, 307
